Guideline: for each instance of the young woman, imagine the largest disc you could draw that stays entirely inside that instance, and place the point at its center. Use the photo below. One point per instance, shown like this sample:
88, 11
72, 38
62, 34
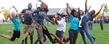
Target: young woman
14, 17
60, 22
74, 22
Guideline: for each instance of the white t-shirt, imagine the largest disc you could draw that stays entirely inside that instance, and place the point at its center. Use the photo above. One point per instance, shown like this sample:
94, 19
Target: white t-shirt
61, 25
80, 21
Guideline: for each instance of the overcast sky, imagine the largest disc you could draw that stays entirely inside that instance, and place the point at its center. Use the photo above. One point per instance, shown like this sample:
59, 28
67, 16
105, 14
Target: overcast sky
20, 4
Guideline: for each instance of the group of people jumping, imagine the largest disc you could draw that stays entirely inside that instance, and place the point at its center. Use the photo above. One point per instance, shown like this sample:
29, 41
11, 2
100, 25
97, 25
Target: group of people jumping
78, 20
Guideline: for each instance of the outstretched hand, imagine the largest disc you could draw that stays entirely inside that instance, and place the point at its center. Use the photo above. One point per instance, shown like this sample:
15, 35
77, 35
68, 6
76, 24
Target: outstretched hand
40, 0
102, 5
67, 4
13, 6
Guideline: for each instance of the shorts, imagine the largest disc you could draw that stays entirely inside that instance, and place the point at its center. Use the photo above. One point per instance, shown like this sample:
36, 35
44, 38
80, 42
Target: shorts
28, 20
15, 35
59, 33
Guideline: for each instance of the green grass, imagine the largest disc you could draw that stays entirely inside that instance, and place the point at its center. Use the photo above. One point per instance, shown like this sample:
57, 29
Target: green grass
102, 37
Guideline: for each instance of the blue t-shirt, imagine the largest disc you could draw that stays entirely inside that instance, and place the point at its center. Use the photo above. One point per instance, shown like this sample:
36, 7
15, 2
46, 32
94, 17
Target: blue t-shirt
74, 22
39, 14
16, 21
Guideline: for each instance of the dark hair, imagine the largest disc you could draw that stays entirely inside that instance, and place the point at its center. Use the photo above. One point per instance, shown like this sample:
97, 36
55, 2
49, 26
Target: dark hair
61, 15
58, 14
73, 11
92, 12
81, 12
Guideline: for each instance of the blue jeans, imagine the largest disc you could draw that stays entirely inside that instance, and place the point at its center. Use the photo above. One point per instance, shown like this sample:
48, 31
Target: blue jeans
84, 31
90, 25
83, 36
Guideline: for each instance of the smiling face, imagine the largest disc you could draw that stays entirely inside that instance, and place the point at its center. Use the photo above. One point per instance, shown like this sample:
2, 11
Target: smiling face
81, 12
92, 12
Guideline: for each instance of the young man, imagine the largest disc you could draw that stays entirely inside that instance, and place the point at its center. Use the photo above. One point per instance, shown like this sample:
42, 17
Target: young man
14, 17
74, 22
27, 16
87, 17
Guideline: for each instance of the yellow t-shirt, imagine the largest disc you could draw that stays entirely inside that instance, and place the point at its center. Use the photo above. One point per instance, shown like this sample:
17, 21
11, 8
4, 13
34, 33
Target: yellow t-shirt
5, 13
106, 10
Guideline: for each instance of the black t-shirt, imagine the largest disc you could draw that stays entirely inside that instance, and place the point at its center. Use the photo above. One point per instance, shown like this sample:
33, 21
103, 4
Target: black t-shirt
27, 15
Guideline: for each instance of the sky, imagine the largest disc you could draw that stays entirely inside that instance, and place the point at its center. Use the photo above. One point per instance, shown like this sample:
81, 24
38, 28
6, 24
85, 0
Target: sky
21, 4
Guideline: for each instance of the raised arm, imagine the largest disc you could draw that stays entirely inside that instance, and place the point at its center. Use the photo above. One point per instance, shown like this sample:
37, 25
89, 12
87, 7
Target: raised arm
98, 12
42, 3
15, 9
86, 6
53, 22
39, 0
79, 14
68, 9
89, 8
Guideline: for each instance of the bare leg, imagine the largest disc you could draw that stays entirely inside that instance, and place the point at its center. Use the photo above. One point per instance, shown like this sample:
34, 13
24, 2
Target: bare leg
26, 34
40, 34
47, 33
31, 37
26, 40
60, 40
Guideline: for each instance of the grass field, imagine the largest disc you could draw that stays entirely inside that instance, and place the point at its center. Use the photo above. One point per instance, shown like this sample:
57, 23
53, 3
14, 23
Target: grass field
102, 37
